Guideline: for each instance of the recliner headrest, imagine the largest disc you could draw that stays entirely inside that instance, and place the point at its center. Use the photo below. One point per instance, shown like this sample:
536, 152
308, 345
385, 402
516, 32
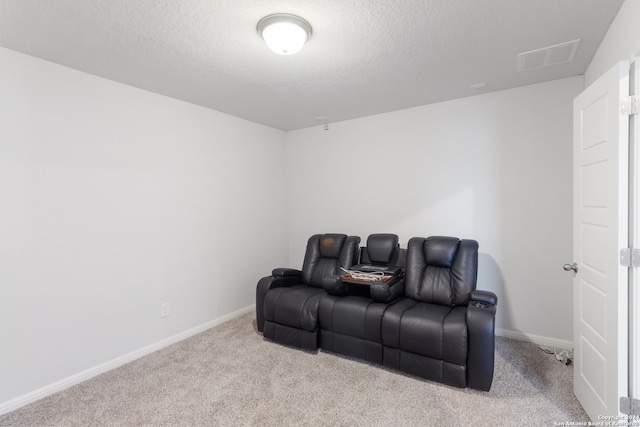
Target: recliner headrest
382, 247
331, 245
440, 251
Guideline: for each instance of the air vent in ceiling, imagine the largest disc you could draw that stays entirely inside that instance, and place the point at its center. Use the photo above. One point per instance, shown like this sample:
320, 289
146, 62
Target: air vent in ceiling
546, 56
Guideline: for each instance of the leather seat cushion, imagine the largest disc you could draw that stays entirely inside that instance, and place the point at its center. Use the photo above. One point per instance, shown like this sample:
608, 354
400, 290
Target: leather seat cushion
295, 306
432, 330
352, 315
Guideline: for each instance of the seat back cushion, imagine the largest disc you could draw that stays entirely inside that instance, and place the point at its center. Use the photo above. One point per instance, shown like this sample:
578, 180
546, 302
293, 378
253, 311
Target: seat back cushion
441, 270
382, 248
325, 254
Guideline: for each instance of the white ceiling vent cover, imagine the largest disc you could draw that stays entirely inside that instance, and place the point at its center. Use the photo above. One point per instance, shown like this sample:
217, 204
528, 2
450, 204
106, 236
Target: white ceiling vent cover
552, 55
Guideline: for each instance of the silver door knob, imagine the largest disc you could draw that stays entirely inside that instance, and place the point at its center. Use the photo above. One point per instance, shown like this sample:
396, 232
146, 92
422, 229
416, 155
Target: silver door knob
569, 267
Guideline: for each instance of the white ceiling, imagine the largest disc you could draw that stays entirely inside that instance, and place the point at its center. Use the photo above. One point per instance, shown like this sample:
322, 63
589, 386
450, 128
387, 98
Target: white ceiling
364, 57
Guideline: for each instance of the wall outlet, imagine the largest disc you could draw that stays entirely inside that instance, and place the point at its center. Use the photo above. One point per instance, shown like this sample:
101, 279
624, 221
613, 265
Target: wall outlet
165, 309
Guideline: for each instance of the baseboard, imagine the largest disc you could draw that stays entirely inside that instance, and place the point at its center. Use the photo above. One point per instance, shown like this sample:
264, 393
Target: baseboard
13, 404
536, 339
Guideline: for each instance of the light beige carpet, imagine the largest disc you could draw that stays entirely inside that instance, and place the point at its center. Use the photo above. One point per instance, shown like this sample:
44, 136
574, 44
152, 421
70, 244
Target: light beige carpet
231, 376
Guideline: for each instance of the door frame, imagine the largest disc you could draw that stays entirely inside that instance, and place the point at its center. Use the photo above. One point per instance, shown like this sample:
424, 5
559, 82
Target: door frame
634, 234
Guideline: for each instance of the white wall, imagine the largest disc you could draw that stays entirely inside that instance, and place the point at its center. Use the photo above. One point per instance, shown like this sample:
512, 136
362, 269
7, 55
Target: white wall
113, 201
496, 168
621, 42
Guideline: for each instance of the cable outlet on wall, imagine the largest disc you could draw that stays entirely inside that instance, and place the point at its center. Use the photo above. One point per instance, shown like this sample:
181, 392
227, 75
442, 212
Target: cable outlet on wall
165, 309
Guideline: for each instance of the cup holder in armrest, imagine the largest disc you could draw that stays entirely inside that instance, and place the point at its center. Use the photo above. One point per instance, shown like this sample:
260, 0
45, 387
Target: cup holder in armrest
479, 304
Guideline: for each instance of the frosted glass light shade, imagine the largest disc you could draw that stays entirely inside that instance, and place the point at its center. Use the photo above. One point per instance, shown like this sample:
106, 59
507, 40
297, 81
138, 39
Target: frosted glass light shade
284, 34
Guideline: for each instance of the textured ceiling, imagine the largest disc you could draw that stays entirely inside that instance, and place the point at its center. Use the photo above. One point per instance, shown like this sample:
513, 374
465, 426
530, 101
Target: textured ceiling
365, 57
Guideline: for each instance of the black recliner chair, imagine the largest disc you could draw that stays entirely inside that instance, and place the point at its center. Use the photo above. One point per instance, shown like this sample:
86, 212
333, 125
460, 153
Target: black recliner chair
350, 316
287, 301
442, 329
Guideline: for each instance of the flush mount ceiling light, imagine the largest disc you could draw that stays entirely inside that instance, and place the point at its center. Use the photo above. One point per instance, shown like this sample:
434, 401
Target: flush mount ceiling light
285, 34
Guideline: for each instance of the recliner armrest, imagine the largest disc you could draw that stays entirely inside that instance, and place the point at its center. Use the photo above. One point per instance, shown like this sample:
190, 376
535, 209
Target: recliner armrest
481, 314
281, 277
334, 286
484, 297
285, 272
386, 291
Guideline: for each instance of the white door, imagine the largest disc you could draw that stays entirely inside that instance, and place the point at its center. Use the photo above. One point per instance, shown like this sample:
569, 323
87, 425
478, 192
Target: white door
600, 210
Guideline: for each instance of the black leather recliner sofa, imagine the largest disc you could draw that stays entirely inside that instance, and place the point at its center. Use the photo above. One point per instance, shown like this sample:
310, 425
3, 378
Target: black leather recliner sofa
287, 301
429, 321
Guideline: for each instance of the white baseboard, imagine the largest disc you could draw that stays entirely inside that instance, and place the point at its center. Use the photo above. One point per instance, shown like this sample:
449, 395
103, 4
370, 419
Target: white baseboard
536, 339
25, 399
